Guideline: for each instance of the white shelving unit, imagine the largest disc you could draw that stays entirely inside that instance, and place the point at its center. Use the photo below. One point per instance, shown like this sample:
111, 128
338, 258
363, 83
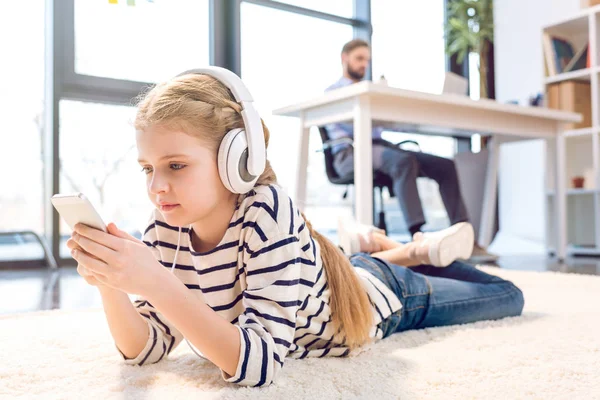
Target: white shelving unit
579, 75
581, 146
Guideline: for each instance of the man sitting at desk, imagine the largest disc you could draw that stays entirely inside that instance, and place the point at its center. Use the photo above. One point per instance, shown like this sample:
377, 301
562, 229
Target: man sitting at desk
402, 166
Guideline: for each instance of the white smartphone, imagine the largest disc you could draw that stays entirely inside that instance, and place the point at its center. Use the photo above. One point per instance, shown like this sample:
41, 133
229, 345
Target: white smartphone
76, 208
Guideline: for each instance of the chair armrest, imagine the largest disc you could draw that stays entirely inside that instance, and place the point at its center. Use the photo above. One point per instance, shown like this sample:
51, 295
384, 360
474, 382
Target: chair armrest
409, 141
334, 142
345, 140
392, 145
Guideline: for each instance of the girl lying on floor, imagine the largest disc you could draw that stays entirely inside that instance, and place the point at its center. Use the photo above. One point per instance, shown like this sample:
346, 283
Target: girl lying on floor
229, 263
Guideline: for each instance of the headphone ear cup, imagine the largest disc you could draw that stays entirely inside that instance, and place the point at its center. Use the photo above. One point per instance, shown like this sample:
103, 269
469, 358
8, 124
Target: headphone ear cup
232, 162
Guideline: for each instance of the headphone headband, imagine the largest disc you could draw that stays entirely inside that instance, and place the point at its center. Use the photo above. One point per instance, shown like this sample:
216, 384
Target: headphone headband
255, 136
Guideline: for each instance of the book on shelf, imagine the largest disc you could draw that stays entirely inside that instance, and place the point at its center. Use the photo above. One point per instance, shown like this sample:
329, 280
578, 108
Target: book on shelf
561, 57
579, 60
572, 96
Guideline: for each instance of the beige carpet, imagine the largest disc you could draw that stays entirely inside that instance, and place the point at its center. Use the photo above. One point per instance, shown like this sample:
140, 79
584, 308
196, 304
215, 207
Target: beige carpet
551, 352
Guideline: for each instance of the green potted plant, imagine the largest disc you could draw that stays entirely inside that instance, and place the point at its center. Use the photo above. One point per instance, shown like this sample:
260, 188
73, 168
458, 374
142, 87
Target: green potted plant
470, 28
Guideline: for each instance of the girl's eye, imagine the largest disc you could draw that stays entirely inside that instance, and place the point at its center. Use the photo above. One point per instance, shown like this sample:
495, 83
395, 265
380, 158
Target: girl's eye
177, 166
146, 170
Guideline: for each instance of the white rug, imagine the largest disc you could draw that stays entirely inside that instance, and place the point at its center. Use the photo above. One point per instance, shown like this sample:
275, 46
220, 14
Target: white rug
551, 352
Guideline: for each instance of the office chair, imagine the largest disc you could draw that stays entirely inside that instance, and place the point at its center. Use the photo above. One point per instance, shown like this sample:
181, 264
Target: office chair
380, 180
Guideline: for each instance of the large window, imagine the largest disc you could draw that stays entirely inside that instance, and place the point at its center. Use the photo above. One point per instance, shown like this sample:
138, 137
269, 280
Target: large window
287, 54
98, 158
408, 43
283, 69
408, 49
139, 41
149, 41
22, 126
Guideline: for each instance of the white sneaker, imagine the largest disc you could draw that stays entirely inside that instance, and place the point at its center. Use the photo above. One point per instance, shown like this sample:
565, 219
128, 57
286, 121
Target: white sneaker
349, 232
448, 245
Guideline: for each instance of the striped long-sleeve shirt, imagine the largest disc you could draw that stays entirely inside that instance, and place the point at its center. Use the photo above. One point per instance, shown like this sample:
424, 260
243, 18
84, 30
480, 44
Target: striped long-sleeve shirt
266, 277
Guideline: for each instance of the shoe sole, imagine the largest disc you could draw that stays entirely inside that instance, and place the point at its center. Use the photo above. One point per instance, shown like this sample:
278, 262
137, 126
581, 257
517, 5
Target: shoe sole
492, 259
458, 244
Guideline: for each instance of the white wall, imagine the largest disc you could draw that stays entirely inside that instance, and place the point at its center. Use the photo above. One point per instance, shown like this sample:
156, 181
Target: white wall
519, 74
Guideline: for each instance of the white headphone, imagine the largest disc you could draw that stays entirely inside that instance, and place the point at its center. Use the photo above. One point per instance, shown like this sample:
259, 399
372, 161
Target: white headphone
242, 153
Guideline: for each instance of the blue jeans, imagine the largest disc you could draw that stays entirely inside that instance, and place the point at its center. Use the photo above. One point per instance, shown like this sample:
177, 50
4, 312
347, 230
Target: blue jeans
431, 296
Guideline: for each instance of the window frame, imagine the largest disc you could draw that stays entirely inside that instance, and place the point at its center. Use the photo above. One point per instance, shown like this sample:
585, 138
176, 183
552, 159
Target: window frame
63, 82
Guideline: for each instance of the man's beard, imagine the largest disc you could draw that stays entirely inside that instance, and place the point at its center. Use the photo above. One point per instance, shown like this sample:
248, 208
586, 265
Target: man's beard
355, 74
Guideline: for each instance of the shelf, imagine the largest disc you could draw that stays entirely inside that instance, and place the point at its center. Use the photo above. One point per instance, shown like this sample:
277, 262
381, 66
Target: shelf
580, 132
578, 75
581, 230
574, 23
583, 250
573, 192
571, 25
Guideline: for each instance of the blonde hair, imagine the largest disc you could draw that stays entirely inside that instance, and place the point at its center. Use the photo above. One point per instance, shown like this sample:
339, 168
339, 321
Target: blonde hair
203, 107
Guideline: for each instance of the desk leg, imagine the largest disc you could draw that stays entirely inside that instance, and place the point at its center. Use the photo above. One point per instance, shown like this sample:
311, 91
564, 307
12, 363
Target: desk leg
302, 166
561, 196
488, 210
363, 161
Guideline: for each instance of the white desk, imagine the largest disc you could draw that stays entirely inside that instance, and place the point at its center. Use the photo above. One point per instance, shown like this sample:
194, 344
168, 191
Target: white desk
446, 114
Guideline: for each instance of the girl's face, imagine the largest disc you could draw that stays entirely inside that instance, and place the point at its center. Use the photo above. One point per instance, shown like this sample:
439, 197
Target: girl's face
182, 178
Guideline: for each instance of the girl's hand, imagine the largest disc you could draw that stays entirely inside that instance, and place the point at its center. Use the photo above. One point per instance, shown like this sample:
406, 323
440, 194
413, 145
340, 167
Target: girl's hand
81, 270
116, 259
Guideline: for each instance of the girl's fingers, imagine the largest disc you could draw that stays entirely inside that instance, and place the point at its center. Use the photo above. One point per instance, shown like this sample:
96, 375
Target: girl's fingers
95, 249
81, 270
72, 244
113, 230
90, 263
103, 238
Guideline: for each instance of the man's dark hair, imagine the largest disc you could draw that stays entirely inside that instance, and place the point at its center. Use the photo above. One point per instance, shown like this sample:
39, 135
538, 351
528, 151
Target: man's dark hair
354, 44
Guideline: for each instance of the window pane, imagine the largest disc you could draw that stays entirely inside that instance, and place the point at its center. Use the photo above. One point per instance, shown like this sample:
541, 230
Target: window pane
408, 63
99, 159
414, 65
343, 8
474, 87
21, 102
301, 67
149, 42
